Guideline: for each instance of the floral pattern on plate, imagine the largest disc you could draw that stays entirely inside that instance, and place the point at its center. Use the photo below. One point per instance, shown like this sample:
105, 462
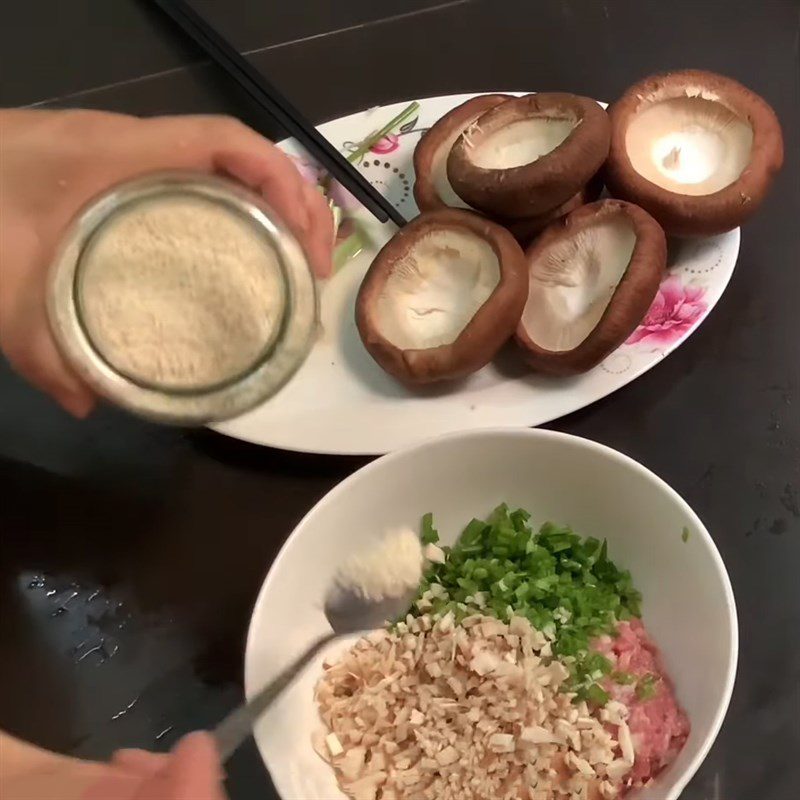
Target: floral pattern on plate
677, 308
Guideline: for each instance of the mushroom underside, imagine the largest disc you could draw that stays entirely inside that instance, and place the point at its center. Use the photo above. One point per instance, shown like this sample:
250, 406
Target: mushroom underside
521, 142
574, 280
689, 145
435, 289
439, 169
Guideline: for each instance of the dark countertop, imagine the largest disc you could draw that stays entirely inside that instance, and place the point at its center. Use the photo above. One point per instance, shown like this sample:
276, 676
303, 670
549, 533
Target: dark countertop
131, 555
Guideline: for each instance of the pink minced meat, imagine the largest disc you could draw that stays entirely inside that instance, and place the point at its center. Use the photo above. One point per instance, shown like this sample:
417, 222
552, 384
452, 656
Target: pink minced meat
659, 726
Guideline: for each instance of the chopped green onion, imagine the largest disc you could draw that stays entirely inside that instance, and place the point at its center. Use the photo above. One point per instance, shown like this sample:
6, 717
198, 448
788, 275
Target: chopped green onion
594, 694
685, 534
623, 678
647, 687
429, 534
473, 532
566, 586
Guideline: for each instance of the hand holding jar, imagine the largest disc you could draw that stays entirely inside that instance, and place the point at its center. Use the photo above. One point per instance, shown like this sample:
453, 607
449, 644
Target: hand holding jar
54, 162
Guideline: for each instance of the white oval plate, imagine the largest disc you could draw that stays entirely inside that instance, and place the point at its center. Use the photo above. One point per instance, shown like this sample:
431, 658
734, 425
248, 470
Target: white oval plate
341, 401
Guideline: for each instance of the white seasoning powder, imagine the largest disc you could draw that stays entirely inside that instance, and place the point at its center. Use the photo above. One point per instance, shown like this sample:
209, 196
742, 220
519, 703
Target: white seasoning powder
181, 292
387, 570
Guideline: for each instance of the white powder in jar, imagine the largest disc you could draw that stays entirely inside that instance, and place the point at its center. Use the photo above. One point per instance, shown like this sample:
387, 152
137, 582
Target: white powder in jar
181, 292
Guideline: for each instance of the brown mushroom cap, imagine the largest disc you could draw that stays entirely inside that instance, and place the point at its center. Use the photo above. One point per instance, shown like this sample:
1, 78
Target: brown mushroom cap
592, 278
697, 150
442, 296
530, 154
525, 230
432, 190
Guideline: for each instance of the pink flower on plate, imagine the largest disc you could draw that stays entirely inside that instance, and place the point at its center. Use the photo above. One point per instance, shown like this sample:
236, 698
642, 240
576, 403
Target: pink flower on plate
313, 173
310, 170
672, 315
388, 144
342, 197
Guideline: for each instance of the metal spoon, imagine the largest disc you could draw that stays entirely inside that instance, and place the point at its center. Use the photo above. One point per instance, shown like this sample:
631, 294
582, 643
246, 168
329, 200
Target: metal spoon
348, 613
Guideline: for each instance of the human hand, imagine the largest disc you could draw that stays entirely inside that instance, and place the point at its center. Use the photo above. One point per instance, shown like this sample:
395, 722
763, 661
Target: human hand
192, 771
54, 162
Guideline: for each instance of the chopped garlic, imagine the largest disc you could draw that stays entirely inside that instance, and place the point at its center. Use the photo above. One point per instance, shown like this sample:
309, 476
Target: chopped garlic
626, 743
539, 735
416, 718
334, 745
446, 622
447, 756
484, 663
617, 769
434, 554
434, 729
502, 743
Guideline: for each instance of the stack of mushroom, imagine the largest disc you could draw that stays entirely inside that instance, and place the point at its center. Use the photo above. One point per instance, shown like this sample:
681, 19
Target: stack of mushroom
687, 153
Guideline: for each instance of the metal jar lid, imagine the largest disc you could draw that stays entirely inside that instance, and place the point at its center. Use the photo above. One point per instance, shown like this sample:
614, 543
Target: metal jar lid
280, 335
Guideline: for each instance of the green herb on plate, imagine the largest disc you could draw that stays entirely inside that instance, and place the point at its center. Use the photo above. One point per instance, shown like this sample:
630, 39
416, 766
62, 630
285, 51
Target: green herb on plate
350, 246
358, 239
366, 145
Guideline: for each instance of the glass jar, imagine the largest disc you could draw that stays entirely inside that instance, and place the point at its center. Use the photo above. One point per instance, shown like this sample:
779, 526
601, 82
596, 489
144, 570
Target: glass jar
182, 298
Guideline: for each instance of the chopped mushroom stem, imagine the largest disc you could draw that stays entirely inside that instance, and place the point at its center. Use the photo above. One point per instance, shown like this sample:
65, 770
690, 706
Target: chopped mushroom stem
437, 711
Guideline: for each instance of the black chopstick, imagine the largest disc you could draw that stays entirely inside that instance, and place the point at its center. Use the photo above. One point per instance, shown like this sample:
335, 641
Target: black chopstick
273, 101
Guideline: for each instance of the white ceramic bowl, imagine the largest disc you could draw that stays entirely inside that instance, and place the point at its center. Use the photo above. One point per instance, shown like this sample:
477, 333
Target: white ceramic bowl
688, 602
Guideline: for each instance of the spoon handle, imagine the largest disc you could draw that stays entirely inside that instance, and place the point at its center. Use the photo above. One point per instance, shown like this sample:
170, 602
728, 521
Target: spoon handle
238, 725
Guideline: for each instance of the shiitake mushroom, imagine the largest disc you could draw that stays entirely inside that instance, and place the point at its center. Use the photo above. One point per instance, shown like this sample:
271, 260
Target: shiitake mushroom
697, 150
592, 278
526, 230
528, 155
432, 189
442, 296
